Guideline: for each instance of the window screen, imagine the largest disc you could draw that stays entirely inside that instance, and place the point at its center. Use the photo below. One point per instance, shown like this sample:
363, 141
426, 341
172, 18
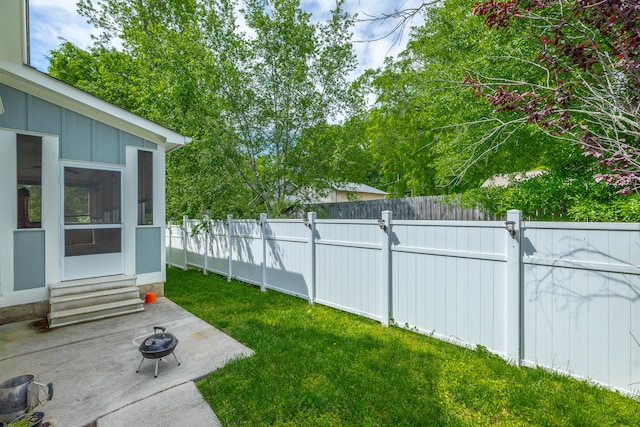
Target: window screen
145, 187
29, 191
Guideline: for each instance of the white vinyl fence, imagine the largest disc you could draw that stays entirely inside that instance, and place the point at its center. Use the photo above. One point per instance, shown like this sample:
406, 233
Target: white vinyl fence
565, 296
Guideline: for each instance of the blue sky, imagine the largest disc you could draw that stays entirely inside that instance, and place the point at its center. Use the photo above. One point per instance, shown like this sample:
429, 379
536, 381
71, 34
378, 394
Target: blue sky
55, 19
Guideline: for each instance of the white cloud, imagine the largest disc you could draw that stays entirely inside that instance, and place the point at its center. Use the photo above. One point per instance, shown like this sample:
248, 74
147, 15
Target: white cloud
375, 40
55, 19
51, 20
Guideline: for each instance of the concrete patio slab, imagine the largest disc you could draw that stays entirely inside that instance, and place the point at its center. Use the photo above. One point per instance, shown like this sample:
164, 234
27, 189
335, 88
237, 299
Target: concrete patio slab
93, 367
184, 400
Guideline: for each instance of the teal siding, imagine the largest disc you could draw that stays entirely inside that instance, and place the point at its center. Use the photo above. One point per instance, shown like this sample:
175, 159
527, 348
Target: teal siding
148, 249
128, 139
28, 261
15, 108
106, 144
75, 141
81, 138
43, 116
150, 145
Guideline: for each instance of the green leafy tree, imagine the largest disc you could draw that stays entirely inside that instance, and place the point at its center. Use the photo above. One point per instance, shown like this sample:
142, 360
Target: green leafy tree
431, 133
584, 87
338, 153
245, 97
293, 78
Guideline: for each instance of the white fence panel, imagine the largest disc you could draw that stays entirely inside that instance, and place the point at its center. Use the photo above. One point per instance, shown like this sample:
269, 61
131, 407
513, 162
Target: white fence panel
246, 251
174, 240
449, 280
348, 254
195, 244
287, 257
560, 295
217, 248
581, 302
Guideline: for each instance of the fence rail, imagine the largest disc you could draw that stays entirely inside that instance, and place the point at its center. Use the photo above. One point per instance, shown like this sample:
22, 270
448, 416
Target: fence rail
565, 296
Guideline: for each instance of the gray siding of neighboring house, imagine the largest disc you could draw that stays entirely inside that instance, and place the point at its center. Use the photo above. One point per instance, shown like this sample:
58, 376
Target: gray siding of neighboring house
81, 138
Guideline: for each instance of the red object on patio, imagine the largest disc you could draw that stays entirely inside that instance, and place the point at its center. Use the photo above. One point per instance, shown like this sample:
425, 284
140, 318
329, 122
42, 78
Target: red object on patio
150, 298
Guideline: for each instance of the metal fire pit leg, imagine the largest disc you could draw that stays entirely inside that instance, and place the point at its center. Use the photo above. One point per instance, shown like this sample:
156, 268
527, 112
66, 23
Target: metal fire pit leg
140, 365
174, 355
156, 375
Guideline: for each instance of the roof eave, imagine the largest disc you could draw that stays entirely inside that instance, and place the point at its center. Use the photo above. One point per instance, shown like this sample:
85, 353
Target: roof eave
41, 85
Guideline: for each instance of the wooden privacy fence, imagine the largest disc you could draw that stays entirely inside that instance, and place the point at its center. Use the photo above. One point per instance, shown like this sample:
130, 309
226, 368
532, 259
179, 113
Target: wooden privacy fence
410, 208
565, 296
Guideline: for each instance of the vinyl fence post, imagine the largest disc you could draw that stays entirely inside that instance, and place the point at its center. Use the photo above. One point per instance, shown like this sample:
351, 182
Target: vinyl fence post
311, 216
185, 240
262, 224
206, 244
229, 248
385, 268
514, 287
170, 262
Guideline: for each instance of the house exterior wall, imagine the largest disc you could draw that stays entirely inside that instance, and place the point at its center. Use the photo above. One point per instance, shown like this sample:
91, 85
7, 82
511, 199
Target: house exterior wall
12, 24
341, 196
26, 266
31, 258
147, 261
81, 138
344, 196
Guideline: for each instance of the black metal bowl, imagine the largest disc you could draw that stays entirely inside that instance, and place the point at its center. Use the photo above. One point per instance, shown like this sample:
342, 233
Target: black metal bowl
158, 345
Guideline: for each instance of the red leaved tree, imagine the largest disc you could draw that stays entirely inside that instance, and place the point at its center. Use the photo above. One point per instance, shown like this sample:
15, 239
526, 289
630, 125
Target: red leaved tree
589, 55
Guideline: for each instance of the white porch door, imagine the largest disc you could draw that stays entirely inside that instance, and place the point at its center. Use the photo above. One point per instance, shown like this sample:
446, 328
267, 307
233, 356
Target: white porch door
92, 243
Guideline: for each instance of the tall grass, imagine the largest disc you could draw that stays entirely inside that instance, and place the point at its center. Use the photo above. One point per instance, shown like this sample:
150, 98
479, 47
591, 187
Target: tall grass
316, 366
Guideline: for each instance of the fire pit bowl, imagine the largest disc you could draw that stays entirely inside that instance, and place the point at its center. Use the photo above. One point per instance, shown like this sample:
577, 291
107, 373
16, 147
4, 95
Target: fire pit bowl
157, 346
21, 394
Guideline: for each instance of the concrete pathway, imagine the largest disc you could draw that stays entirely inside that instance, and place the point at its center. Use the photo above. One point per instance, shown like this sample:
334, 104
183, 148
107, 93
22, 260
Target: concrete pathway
93, 368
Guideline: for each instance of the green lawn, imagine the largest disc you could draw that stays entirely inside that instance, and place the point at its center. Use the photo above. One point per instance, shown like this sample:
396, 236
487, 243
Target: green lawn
316, 366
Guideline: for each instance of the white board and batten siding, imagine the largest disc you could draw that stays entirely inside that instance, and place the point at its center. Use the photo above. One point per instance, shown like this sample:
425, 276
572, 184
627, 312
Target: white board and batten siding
565, 296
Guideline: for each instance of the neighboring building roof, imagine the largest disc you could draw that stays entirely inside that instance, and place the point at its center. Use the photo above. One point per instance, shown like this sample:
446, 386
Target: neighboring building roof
356, 188
43, 86
311, 196
506, 179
